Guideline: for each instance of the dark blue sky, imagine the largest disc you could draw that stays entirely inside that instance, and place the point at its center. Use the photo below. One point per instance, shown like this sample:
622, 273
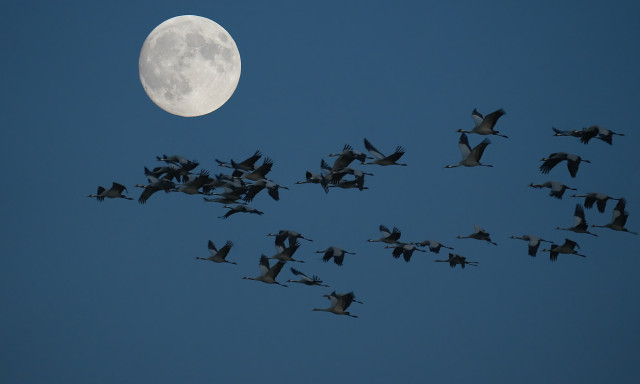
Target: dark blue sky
110, 292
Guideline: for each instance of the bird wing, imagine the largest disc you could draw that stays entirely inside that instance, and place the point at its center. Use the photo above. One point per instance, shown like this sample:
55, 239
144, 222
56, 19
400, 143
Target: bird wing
621, 219
224, 251
396, 155
342, 161
407, 253
572, 164
492, 118
118, 187
395, 234
311, 176
560, 133
570, 243
273, 271
463, 144
345, 300
385, 231
602, 204
253, 191
578, 216
372, 150
290, 250
605, 135
478, 150
619, 208
274, 192
264, 168
316, 280
588, 133
333, 297
252, 210
551, 162
264, 265
298, 273
146, 194
534, 244
250, 162
212, 248
477, 117
281, 237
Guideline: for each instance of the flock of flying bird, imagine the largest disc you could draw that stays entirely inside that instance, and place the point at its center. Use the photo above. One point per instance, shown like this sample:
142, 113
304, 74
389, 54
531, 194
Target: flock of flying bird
247, 179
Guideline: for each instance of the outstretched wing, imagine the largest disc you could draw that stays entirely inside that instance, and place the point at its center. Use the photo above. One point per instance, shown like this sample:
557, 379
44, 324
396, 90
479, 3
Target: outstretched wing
478, 150
463, 144
397, 154
551, 162
477, 117
372, 150
298, 273
492, 118
212, 248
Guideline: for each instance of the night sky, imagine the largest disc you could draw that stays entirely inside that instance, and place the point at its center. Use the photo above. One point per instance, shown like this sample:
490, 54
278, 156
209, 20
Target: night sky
104, 292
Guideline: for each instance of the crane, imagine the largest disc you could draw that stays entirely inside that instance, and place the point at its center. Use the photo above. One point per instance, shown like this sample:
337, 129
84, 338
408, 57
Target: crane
154, 186
246, 165
557, 189
433, 245
286, 254
573, 162
218, 255
336, 253
381, 159
579, 222
534, 243
239, 208
478, 234
619, 219
599, 132
568, 247
114, 192
306, 280
268, 274
389, 237
454, 260
339, 304
600, 199
485, 125
284, 234
404, 249
346, 157
471, 157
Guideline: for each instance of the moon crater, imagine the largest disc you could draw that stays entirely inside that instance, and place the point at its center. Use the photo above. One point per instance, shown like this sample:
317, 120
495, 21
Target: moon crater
189, 66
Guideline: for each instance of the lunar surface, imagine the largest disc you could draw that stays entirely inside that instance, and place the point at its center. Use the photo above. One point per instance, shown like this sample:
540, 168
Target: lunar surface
189, 66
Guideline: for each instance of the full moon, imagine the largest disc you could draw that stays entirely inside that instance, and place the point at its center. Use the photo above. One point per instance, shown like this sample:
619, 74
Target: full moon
189, 66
